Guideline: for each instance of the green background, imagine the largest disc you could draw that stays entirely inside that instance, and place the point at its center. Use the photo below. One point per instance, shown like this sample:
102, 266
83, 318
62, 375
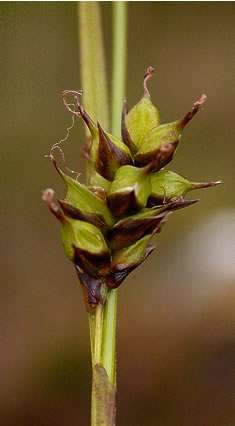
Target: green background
176, 331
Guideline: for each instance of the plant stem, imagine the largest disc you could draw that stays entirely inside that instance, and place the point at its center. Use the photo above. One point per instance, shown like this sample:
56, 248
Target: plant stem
92, 62
91, 319
119, 63
118, 88
96, 360
109, 335
94, 84
92, 65
103, 322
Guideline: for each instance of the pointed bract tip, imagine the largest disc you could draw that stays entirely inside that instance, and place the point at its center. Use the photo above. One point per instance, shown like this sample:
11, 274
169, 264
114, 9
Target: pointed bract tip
163, 217
100, 129
149, 249
49, 197
54, 162
195, 108
187, 203
180, 204
199, 185
199, 102
103, 137
149, 72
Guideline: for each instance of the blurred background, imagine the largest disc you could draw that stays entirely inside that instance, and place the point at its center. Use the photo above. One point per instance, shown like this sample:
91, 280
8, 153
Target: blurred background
176, 332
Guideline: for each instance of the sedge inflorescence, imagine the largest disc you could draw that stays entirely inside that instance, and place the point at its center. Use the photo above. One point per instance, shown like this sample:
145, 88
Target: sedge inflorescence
107, 226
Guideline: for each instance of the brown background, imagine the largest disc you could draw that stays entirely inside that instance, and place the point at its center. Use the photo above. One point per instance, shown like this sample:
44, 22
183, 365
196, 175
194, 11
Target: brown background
176, 334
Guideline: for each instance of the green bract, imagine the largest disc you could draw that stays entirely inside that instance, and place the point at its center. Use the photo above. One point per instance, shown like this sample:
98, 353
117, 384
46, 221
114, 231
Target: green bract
158, 145
129, 190
167, 185
127, 259
78, 234
142, 118
79, 197
107, 226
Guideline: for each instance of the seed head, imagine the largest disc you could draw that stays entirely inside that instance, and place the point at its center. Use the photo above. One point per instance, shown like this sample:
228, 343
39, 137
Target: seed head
107, 227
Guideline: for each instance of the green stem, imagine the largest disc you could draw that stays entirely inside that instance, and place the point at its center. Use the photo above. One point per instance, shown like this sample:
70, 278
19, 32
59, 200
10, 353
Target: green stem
103, 322
118, 93
92, 65
93, 83
109, 335
119, 63
91, 319
92, 62
96, 360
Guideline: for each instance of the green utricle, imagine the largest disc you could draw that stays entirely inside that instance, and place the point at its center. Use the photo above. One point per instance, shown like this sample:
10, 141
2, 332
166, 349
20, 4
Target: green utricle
82, 235
142, 118
166, 184
81, 197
